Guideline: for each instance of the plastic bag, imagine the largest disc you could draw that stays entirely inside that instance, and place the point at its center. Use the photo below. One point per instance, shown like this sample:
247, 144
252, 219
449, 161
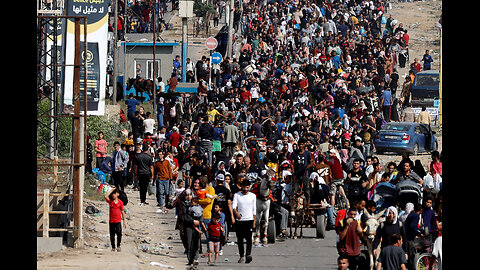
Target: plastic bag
101, 176
428, 182
437, 181
152, 190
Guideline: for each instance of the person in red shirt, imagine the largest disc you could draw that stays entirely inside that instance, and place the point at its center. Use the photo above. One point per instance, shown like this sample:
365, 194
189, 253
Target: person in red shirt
215, 230
116, 215
350, 232
175, 137
246, 95
406, 37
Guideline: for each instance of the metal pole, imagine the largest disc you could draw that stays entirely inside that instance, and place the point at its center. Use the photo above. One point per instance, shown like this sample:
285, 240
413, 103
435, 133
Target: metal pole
230, 30
115, 40
77, 191
184, 48
154, 86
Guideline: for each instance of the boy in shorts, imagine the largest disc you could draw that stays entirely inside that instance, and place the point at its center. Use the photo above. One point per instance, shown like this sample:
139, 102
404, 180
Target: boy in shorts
215, 230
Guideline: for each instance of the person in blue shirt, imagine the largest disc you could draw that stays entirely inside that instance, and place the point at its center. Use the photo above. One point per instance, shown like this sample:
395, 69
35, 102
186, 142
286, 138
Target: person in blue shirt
335, 60
386, 104
427, 60
176, 64
131, 103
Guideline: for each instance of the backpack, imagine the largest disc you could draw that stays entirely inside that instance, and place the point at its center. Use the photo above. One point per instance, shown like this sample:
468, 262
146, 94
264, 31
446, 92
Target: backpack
123, 197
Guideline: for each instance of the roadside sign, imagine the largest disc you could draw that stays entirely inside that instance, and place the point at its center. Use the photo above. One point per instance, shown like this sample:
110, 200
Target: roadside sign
216, 58
211, 43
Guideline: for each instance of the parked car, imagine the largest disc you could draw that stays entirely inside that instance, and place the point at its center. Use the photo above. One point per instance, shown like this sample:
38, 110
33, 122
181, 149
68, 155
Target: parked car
405, 137
426, 88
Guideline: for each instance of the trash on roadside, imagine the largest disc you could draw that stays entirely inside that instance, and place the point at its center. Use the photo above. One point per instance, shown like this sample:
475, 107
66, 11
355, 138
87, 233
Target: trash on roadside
91, 210
161, 265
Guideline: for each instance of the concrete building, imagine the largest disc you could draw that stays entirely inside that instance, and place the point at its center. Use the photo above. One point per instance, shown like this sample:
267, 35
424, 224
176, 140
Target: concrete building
136, 55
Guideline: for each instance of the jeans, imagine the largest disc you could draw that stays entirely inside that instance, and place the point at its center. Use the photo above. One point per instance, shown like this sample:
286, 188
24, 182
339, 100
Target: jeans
206, 147
206, 221
331, 218
368, 150
163, 188
284, 220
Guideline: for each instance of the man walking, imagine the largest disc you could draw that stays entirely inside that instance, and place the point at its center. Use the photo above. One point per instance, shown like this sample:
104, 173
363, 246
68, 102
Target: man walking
205, 144
232, 135
120, 161
244, 209
392, 256
163, 175
386, 104
350, 232
144, 172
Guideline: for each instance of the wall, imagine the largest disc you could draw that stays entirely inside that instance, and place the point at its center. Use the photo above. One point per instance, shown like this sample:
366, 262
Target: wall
144, 53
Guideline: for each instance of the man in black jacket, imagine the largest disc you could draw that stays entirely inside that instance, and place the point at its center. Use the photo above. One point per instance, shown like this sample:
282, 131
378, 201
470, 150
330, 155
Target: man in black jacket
144, 172
205, 136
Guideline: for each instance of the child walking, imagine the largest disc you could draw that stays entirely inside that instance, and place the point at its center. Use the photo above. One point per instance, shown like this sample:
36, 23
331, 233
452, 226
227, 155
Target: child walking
215, 230
217, 209
116, 215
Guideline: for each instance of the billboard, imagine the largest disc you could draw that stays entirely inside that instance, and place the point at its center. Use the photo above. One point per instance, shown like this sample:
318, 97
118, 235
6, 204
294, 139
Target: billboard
96, 12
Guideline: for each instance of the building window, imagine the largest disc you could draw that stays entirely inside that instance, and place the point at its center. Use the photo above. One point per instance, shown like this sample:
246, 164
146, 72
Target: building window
150, 69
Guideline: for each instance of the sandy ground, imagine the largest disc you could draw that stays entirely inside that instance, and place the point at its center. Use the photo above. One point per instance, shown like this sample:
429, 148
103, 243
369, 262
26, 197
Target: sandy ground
419, 19
146, 228
148, 237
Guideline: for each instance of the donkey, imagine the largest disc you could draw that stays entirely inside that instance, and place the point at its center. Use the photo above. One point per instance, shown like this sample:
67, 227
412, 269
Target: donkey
297, 213
371, 225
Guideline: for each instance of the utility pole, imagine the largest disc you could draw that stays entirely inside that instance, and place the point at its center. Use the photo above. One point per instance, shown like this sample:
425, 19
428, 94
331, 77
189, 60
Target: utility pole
230, 29
115, 41
184, 48
154, 86
185, 11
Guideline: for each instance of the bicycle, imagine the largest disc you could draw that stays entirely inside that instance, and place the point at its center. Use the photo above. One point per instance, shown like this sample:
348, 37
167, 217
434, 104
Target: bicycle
340, 199
424, 260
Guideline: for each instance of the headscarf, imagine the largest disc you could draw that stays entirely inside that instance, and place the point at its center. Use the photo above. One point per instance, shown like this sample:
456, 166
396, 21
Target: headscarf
395, 213
408, 210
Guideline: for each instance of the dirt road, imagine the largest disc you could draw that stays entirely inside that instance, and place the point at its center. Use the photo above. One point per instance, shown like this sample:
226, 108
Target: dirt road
151, 237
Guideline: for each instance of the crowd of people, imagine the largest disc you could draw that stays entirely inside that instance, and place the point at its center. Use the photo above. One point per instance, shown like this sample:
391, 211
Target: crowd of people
312, 85
136, 16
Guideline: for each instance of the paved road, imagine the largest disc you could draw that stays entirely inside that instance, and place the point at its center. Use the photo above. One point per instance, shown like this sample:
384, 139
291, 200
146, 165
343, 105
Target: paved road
305, 253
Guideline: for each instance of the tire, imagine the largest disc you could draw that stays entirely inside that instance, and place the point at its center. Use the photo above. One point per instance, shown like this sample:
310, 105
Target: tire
321, 225
271, 231
426, 261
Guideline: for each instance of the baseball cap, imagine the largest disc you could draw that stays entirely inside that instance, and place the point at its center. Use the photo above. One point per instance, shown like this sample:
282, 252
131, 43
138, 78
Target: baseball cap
220, 177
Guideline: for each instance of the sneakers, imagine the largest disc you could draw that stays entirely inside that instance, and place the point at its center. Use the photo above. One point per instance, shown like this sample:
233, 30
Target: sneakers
221, 252
248, 260
119, 249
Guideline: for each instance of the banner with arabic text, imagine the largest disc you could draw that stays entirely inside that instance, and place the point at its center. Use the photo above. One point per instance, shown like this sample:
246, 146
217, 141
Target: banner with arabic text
96, 12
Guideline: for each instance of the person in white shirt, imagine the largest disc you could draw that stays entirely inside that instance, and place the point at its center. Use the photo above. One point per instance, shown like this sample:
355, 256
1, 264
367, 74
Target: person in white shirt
244, 207
149, 124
